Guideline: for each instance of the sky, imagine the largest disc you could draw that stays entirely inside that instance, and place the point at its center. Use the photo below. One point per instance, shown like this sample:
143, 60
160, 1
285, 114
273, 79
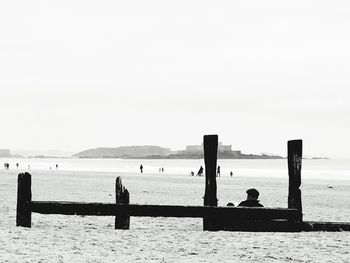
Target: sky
83, 74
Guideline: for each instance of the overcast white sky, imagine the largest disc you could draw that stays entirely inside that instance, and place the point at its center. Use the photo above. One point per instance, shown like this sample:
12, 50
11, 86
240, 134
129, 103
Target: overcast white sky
82, 74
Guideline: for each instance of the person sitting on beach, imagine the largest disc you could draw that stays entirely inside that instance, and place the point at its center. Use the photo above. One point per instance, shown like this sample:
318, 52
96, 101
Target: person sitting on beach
252, 199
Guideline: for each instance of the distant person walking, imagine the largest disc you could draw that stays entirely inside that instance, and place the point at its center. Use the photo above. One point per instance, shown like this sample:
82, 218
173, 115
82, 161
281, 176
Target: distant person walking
162, 169
56, 166
17, 165
231, 173
200, 171
141, 168
6, 166
218, 172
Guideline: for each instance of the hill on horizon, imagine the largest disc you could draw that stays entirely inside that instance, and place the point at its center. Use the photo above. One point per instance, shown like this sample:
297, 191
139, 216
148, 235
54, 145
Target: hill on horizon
124, 151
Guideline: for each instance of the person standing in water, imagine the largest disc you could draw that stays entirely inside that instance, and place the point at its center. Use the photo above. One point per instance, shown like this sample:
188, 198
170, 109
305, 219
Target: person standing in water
141, 168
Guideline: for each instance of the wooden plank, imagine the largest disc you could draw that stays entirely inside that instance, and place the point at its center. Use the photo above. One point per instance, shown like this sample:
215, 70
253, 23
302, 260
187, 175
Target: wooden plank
326, 226
259, 225
210, 144
294, 172
121, 197
24, 198
109, 209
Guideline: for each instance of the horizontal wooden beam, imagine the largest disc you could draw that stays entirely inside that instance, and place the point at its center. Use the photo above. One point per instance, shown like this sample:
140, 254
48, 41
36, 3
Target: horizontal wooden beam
326, 226
258, 225
108, 209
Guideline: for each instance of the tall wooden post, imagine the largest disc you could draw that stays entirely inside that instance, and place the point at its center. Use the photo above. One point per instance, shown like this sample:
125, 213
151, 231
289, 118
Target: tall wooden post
121, 197
294, 171
210, 158
24, 199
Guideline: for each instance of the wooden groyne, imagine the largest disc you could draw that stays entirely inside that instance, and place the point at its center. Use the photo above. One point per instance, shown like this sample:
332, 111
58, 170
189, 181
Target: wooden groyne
214, 218
122, 210
325, 226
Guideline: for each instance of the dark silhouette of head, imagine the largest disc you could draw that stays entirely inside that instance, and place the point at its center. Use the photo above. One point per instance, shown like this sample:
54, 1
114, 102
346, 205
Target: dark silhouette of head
253, 194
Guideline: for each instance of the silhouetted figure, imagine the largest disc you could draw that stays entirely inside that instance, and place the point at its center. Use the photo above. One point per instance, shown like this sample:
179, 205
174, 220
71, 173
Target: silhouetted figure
141, 168
192, 173
56, 166
218, 171
200, 171
6, 166
231, 173
17, 165
162, 170
252, 199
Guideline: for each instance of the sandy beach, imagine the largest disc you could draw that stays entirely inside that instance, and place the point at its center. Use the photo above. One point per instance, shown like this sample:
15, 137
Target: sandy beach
55, 238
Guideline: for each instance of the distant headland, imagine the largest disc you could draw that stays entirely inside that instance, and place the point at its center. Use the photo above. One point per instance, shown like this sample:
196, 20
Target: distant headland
6, 153
156, 152
143, 152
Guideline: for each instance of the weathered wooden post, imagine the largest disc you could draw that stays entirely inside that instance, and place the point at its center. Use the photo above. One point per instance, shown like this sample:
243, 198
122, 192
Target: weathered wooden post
210, 158
24, 199
294, 170
121, 197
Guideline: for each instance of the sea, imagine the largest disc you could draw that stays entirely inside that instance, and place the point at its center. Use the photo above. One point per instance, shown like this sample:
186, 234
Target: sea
322, 169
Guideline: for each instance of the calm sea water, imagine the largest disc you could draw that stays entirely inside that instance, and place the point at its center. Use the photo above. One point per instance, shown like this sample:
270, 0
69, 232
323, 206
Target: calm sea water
333, 169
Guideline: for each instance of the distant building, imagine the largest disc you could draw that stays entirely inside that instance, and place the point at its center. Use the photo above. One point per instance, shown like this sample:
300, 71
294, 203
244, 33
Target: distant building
5, 153
199, 148
224, 148
194, 148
